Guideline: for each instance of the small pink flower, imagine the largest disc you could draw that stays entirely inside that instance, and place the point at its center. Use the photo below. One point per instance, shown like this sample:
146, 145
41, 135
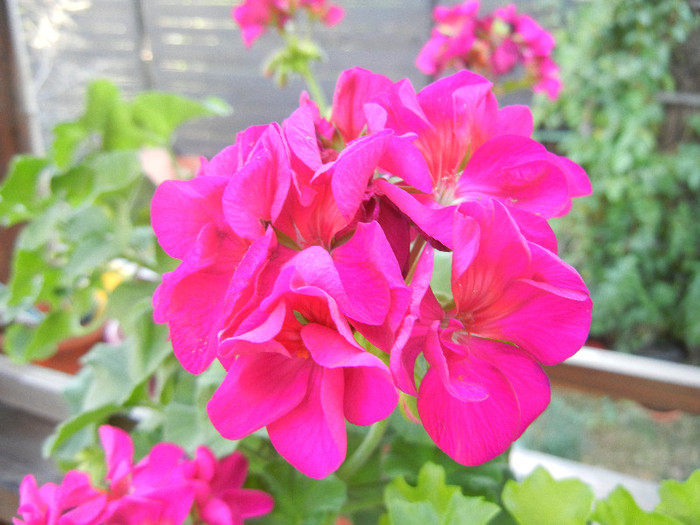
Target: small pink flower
492, 45
73, 501
255, 16
158, 490
155, 490
219, 496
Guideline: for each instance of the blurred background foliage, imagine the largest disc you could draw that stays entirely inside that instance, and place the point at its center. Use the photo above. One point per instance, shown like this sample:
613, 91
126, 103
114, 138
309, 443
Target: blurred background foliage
636, 241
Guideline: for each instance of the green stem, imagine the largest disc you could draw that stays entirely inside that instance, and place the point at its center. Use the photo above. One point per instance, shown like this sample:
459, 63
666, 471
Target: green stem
315, 90
416, 251
364, 451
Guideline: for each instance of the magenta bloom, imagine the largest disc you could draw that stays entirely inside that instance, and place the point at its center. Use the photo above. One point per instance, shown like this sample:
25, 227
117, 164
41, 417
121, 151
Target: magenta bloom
163, 488
474, 151
492, 46
205, 223
305, 239
255, 16
219, 496
516, 305
300, 373
155, 489
452, 39
73, 501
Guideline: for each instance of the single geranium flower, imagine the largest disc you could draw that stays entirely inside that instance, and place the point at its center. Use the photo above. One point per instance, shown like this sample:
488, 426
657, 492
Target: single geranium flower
295, 368
474, 150
515, 306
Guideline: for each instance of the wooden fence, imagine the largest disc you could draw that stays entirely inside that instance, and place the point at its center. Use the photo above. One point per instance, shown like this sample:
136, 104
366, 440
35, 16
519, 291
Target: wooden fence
193, 47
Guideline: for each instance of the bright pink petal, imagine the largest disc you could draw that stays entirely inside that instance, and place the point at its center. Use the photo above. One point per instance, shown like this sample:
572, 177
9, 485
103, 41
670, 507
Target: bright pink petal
370, 395
576, 177
434, 220
547, 321
354, 168
300, 134
229, 160
516, 171
372, 280
404, 160
447, 358
355, 87
535, 229
180, 209
119, 452
191, 298
514, 120
479, 279
312, 436
527, 379
410, 338
249, 502
470, 432
254, 197
331, 350
257, 390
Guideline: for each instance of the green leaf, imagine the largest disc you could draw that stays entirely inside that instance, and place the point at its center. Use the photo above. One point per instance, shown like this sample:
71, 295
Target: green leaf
75, 186
433, 501
111, 381
74, 425
163, 113
115, 170
300, 500
186, 421
541, 499
27, 343
128, 300
67, 138
20, 195
45, 229
101, 97
29, 275
620, 509
681, 500
413, 447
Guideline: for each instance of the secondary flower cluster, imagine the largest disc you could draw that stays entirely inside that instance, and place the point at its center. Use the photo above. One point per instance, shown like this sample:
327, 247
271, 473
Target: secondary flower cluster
164, 487
255, 16
308, 251
492, 45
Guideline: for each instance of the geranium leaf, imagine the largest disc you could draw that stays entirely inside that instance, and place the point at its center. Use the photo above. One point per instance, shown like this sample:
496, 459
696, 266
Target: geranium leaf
620, 509
433, 501
539, 498
681, 500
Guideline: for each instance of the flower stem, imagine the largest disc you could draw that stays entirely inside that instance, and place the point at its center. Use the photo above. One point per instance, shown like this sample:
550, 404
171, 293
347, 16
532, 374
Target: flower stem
315, 90
364, 451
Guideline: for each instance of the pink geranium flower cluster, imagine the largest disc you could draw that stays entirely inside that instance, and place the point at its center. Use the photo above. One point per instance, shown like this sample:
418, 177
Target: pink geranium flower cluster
165, 487
255, 16
492, 45
307, 254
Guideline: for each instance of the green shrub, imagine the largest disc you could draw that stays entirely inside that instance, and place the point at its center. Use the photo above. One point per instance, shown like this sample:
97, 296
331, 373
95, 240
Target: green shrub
637, 239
